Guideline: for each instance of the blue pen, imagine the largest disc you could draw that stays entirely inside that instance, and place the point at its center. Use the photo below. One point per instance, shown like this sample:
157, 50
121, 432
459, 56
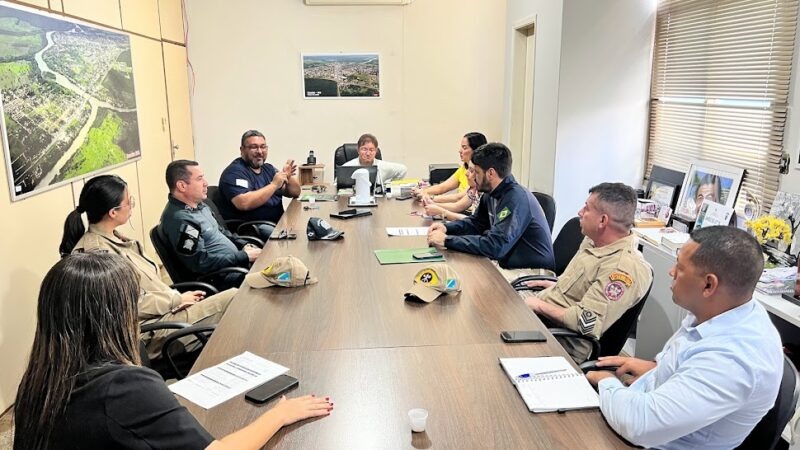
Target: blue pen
524, 375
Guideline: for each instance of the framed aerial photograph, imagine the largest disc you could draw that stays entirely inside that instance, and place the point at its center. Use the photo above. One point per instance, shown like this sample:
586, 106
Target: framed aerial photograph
336, 75
68, 100
706, 180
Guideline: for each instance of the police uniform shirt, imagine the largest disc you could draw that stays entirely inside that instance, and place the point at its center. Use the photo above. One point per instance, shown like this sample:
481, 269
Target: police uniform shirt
508, 226
121, 406
238, 178
597, 287
197, 239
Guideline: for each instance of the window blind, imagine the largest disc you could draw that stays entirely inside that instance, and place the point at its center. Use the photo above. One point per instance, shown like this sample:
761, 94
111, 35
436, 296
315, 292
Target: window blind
721, 72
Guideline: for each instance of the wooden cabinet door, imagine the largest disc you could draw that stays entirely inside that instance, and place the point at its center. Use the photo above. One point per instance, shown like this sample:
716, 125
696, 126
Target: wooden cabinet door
171, 13
180, 114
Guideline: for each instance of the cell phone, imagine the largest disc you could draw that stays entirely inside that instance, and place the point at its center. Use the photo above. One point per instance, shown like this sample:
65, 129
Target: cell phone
522, 336
426, 255
350, 213
272, 388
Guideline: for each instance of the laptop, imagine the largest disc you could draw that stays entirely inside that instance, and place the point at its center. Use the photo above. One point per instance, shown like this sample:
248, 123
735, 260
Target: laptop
344, 177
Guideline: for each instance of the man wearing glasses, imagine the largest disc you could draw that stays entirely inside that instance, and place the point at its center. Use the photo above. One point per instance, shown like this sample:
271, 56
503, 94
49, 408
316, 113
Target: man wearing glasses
252, 188
367, 149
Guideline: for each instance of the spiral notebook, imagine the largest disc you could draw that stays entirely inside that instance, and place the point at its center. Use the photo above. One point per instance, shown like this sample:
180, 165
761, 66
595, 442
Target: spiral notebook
550, 383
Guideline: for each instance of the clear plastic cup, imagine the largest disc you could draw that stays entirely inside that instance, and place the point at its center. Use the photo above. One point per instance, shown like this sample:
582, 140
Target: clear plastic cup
418, 418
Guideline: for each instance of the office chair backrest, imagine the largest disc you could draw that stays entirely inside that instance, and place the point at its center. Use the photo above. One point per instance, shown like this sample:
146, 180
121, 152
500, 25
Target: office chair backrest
548, 205
177, 272
567, 243
213, 200
614, 338
767, 432
346, 152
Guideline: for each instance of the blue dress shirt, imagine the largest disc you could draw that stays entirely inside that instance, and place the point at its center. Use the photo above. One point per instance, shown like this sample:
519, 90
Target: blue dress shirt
712, 384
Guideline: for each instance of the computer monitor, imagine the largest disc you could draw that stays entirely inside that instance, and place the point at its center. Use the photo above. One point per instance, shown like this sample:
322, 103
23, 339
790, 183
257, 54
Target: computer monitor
344, 176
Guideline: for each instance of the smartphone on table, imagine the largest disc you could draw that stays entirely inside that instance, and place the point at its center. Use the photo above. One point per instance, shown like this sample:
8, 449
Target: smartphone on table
271, 389
522, 336
426, 255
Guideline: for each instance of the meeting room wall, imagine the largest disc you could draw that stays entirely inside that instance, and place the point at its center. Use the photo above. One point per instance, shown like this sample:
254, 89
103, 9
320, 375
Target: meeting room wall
32, 227
441, 76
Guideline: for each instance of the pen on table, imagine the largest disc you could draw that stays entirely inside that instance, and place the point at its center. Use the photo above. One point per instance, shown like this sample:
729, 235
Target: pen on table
528, 375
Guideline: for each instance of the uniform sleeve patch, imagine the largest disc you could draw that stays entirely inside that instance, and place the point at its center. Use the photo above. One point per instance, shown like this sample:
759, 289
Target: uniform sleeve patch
586, 322
614, 290
505, 212
623, 277
188, 239
242, 183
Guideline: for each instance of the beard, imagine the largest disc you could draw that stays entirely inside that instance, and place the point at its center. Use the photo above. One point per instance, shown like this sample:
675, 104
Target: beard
254, 163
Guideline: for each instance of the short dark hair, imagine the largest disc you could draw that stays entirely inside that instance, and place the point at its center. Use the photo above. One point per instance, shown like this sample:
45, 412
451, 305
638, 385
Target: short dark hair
733, 255
177, 171
493, 155
618, 200
366, 137
251, 133
475, 139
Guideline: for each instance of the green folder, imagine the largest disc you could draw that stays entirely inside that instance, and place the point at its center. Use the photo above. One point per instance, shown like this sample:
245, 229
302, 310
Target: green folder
405, 255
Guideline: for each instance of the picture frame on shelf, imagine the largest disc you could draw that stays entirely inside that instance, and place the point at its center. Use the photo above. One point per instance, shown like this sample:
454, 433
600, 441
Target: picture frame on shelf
664, 185
706, 180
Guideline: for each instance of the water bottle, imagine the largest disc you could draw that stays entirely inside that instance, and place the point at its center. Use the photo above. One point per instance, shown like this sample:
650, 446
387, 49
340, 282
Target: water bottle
311, 158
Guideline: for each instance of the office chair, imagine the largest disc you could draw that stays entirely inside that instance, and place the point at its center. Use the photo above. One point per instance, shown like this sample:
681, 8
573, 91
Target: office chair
346, 152
565, 247
548, 205
175, 359
180, 274
247, 230
614, 338
767, 432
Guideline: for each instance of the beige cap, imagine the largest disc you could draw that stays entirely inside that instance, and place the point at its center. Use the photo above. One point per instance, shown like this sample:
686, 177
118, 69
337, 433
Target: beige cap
286, 271
433, 281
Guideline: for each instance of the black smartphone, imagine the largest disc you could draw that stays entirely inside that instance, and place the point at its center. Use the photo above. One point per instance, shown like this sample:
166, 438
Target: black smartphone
522, 336
426, 255
271, 388
350, 213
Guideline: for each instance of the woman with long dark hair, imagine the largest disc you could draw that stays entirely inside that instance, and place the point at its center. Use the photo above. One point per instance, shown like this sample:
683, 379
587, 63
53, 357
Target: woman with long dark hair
107, 204
83, 387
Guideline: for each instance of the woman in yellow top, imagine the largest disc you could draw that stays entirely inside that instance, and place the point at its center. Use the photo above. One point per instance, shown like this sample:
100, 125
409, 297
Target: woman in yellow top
458, 180
468, 203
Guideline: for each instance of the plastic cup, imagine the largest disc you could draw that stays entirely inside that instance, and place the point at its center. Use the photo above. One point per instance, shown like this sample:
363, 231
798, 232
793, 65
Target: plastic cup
418, 418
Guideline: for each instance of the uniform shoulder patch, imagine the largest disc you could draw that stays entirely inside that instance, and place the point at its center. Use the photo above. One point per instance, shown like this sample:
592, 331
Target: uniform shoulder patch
623, 277
505, 212
188, 239
614, 290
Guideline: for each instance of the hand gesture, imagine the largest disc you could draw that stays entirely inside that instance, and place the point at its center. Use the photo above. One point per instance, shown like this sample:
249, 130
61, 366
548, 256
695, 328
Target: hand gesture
279, 179
290, 168
631, 366
434, 210
438, 226
437, 238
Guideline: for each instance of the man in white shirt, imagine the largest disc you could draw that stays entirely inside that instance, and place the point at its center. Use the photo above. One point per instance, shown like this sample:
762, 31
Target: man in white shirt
719, 374
387, 171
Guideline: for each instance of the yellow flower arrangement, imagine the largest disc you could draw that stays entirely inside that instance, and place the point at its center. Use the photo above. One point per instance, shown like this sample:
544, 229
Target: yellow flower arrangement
770, 228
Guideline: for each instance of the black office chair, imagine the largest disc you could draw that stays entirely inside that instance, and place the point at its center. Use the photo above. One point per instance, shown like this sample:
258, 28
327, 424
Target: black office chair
565, 247
614, 338
245, 229
346, 152
767, 432
175, 360
179, 273
548, 204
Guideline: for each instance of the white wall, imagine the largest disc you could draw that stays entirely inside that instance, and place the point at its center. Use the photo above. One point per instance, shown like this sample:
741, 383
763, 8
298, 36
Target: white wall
441, 63
604, 84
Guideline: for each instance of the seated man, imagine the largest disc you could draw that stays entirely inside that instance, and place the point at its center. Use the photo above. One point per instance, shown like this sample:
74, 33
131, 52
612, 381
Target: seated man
719, 374
387, 171
190, 228
607, 276
252, 188
509, 224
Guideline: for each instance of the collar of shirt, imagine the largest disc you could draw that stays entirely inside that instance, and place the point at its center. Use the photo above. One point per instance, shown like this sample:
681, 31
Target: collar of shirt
182, 205
503, 186
116, 237
628, 242
719, 323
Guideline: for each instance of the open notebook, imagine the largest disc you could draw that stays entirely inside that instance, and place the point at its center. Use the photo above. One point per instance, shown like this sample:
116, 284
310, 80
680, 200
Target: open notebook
550, 383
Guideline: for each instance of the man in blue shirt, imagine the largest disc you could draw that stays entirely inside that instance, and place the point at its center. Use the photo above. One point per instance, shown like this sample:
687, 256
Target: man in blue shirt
252, 188
719, 374
509, 225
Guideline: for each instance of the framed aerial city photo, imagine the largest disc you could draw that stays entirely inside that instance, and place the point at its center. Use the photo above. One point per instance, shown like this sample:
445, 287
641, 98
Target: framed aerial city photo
335, 75
68, 100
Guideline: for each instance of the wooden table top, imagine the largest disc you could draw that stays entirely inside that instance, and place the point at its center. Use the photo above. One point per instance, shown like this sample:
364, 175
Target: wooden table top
353, 336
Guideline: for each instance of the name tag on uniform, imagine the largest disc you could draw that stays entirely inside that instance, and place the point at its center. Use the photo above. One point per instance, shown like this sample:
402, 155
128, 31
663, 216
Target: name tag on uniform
242, 183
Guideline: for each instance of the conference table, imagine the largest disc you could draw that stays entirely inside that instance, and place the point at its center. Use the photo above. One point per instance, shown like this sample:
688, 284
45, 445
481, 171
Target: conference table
354, 337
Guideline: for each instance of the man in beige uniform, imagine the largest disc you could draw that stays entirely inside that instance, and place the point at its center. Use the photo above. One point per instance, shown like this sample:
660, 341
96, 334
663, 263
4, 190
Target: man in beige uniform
157, 302
607, 276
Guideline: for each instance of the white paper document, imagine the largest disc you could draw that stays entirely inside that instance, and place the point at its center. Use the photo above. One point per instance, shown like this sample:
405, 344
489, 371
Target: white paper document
407, 231
210, 387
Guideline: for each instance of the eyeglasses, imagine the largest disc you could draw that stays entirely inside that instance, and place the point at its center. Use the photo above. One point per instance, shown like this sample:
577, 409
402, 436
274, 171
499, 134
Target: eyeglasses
131, 203
256, 147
